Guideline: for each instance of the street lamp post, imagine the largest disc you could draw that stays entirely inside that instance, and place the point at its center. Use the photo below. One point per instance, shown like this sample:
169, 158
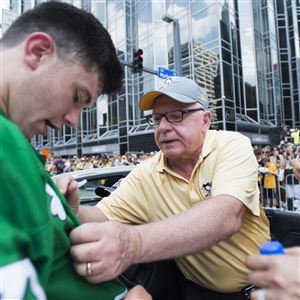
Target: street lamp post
177, 46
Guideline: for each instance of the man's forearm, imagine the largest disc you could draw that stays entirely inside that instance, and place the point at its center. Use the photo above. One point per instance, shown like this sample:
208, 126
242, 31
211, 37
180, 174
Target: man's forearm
117, 245
190, 232
91, 214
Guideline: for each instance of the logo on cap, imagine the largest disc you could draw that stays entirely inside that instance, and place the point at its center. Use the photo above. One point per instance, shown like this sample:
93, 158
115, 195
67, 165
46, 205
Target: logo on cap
167, 82
202, 98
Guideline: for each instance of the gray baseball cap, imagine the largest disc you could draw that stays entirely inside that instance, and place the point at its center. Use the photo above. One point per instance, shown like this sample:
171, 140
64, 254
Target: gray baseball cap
181, 89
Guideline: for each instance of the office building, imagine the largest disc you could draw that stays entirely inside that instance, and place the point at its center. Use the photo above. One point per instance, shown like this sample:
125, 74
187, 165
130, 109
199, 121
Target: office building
245, 53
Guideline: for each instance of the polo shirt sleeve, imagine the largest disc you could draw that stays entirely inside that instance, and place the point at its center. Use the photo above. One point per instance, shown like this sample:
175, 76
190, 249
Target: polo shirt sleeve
236, 171
127, 203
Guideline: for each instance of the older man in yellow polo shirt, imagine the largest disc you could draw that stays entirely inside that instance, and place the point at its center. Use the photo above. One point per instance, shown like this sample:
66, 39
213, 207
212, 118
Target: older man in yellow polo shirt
196, 200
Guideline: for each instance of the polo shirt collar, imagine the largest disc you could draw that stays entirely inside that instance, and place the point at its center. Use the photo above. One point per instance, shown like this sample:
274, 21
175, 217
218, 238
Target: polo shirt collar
161, 162
210, 143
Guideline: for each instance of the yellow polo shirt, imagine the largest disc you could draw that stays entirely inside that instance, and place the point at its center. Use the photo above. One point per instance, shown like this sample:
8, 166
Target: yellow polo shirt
226, 165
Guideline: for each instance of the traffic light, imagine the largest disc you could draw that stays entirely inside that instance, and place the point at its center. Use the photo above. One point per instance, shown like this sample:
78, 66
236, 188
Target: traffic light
137, 63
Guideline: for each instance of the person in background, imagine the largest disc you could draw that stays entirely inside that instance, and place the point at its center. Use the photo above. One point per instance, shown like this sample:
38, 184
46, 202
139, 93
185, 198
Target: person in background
295, 135
277, 158
292, 186
270, 183
285, 135
59, 165
296, 168
196, 200
257, 153
55, 61
265, 153
260, 173
289, 155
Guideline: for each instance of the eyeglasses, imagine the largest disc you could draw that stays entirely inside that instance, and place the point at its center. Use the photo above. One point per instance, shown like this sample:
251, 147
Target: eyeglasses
174, 116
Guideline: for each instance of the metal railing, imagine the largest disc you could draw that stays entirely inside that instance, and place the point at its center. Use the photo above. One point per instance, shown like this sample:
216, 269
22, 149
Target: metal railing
284, 196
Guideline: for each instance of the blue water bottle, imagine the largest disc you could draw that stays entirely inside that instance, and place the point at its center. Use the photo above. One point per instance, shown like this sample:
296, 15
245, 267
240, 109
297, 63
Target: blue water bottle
271, 248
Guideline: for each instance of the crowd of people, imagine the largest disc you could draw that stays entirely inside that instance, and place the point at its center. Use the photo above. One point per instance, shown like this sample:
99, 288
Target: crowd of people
275, 173
58, 165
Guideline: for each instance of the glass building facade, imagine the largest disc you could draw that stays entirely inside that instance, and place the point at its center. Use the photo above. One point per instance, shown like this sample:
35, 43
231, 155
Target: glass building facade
245, 53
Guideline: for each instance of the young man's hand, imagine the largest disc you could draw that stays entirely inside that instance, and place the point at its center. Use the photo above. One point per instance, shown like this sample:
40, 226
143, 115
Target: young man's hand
68, 186
138, 293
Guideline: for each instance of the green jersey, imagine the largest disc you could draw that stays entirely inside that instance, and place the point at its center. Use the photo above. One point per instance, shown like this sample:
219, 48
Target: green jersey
35, 222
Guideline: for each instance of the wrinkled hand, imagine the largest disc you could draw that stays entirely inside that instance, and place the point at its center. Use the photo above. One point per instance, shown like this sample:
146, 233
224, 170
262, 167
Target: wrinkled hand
68, 186
279, 275
110, 248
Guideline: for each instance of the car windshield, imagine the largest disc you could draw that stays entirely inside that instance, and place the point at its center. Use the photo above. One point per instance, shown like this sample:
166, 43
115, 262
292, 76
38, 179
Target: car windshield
107, 180
105, 177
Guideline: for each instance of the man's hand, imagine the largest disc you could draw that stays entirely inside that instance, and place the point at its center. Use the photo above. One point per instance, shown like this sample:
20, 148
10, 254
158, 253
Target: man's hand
102, 251
278, 275
68, 186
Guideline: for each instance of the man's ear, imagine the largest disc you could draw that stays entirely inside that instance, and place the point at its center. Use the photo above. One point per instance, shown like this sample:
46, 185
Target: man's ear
207, 119
38, 48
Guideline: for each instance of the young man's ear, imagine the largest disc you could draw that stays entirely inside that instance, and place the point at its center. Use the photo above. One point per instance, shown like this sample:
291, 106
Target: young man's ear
38, 48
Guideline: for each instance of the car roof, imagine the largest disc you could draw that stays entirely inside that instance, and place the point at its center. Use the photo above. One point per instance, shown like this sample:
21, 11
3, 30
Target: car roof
90, 173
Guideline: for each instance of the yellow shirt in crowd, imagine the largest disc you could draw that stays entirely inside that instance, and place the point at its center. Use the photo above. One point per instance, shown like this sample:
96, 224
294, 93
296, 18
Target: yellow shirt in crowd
296, 137
270, 179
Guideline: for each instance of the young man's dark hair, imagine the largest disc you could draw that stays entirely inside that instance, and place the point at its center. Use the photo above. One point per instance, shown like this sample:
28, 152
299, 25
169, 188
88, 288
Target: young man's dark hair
78, 38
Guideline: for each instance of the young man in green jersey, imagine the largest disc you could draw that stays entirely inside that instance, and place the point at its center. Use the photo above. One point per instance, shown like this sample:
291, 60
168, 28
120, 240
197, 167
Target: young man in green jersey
55, 61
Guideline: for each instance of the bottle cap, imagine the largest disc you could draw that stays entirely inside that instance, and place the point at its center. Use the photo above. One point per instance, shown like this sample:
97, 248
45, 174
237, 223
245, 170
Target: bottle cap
271, 248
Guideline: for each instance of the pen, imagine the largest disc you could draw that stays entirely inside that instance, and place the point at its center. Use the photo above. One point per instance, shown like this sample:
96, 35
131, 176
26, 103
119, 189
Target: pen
81, 183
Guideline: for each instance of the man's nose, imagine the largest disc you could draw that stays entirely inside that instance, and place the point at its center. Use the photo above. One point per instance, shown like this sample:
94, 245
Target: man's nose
164, 123
72, 117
